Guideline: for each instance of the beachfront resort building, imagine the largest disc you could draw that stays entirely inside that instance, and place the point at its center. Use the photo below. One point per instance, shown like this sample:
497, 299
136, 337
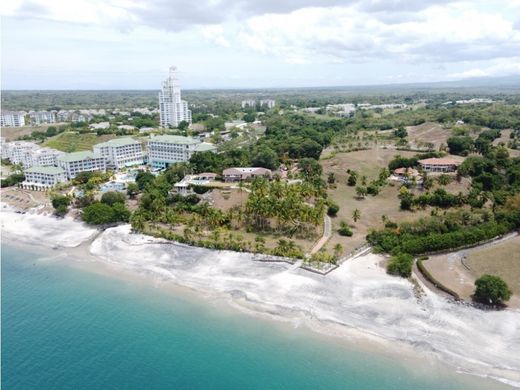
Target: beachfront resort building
165, 150
173, 110
74, 163
42, 178
120, 152
242, 174
442, 165
12, 119
18, 151
43, 157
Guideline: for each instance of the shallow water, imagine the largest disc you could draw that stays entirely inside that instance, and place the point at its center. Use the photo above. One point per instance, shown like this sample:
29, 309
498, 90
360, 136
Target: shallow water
66, 328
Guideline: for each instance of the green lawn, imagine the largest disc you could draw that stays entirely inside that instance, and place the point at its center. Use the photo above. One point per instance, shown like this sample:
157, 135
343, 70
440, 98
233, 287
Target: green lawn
73, 142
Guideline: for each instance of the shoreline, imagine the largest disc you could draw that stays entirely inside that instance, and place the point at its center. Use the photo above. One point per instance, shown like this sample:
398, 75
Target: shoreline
242, 283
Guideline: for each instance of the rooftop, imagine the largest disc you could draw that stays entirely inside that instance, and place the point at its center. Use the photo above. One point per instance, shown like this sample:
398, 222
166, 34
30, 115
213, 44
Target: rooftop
205, 146
47, 170
118, 142
78, 156
175, 139
439, 161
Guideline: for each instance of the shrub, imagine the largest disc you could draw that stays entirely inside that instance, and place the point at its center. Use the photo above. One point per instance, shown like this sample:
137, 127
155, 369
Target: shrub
491, 290
401, 265
344, 230
60, 204
332, 209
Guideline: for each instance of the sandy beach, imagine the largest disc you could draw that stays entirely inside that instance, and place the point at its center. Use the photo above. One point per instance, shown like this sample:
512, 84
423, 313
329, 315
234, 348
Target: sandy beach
357, 300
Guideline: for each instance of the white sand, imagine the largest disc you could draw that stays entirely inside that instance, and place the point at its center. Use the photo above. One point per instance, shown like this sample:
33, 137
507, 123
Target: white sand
43, 230
358, 297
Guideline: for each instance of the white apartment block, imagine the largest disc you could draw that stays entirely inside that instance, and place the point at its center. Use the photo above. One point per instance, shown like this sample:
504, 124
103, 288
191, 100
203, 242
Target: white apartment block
269, 103
173, 110
165, 150
121, 152
12, 119
248, 103
18, 151
43, 157
38, 117
43, 178
74, 163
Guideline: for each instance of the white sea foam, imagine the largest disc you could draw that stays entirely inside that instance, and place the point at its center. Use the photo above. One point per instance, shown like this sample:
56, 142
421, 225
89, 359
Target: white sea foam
358, 295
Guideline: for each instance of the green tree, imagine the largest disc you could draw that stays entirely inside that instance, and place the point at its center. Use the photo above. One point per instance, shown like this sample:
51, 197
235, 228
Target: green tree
491, 290
60, 204
249, 117
112, 197
265, 157
144, 178
401, 132
98, 214
183, 126
361, 192
132, 190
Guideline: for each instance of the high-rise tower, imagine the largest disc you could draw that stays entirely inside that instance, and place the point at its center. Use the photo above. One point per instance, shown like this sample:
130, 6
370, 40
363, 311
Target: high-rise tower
172, 108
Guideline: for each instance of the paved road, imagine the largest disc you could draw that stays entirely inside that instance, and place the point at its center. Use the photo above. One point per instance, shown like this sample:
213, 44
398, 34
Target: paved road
327, 232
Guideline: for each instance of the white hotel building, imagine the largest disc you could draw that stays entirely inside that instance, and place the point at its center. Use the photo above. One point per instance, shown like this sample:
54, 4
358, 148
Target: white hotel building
173, 110
74, 163
18, 151
43, 178
121, 152
165, 150
12, 119
43, 157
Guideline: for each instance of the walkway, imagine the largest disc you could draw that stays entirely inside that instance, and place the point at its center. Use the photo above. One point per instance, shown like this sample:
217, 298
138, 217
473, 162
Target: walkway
327, 232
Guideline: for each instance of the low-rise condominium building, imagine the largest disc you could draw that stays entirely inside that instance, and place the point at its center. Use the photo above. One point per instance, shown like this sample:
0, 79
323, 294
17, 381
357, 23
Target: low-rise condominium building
42, 178
74, 163
12, 119
121, 152
165, 150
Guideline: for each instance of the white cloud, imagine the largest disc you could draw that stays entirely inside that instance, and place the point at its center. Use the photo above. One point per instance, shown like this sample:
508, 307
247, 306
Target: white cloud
510, 67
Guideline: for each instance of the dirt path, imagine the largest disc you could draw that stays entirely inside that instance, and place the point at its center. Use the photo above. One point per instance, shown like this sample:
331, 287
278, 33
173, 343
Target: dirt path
327, 233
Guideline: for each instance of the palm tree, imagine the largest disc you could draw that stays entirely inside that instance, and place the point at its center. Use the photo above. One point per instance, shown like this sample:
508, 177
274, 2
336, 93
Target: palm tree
338, 248
356, 215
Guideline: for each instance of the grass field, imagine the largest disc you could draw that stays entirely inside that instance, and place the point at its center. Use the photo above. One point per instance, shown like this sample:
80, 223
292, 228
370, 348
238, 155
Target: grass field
502, 259
73, 142
428, 133
372, 208
12, 133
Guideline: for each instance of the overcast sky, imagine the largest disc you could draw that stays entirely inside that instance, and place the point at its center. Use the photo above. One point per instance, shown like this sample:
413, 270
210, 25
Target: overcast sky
129, 44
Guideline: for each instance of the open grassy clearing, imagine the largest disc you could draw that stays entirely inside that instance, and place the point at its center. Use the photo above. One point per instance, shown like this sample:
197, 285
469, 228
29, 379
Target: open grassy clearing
372, 209
369, 163
428, 132
12, 133
502, 259
73, 141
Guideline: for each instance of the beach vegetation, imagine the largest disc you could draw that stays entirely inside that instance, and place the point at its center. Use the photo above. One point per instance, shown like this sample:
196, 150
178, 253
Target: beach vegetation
491, 290
400, 264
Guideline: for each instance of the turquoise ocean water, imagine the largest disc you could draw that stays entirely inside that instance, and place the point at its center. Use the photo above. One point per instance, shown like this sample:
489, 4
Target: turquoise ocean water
64, 328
